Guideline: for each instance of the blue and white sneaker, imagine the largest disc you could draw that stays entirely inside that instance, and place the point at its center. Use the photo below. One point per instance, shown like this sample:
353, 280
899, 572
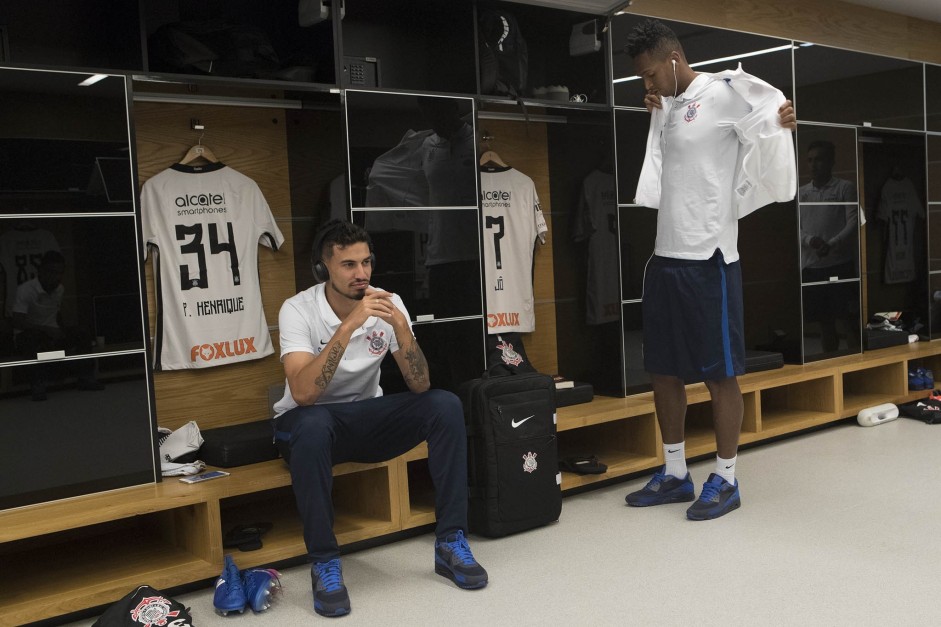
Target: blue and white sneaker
259, 585
454, 560
928, 377
663, 489
718, 498
916, 379
229, 595
330, 595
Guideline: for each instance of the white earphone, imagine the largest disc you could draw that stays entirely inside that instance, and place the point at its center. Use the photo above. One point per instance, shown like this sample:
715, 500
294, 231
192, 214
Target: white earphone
675, 83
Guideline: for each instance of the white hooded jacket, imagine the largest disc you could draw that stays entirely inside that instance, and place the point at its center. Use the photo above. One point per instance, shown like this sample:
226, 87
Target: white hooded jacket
767, 171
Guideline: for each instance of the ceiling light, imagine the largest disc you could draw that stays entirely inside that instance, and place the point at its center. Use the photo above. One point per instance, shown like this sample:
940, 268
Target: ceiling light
91, 80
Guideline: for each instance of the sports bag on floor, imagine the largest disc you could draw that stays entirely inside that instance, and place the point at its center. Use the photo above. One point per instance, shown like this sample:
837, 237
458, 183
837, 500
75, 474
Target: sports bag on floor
513, 469
145, 607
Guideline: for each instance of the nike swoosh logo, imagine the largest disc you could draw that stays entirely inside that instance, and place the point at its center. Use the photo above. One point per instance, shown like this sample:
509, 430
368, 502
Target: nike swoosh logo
323, 343
515, 424
673, 451
727, 467
710, 366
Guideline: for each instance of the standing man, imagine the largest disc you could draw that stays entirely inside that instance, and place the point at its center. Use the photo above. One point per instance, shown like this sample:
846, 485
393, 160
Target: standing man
718, 149
333, 339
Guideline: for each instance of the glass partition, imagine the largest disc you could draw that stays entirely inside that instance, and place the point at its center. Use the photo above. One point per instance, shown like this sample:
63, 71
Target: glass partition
843, 87
411, 151
63, 143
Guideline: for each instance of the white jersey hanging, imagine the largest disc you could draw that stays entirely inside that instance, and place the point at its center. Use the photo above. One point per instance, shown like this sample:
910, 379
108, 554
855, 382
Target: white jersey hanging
205, 224
899, 206
512, 221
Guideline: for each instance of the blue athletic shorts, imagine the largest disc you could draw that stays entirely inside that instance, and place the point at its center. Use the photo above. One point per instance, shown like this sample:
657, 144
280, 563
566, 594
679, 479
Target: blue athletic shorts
692, 316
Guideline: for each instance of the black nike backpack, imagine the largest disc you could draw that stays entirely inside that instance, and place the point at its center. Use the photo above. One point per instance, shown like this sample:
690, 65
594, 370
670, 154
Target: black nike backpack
514, 482
504, 55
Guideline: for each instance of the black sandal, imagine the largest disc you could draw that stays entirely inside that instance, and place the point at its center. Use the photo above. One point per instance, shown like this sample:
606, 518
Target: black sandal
246, 537
583, 465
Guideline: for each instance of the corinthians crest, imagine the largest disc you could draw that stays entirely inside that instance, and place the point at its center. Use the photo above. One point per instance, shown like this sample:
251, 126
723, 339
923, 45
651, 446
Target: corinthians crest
377, 343
153, 611
510, 357
529, 462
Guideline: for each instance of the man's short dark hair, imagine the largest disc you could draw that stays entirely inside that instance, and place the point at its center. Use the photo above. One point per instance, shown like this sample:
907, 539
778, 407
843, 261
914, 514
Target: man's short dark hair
652, 36
340, 233
826, 148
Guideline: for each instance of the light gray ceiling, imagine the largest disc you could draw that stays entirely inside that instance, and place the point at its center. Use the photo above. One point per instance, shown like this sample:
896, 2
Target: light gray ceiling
923, 9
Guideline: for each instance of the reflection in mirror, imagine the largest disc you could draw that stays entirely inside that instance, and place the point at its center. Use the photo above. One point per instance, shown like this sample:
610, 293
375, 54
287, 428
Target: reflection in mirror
76, 458
707, 50
831, 320
934, 215
934, 168
842, 87
60, 292
829, 214
412, 259
63, 146
893, 167
935, 305
411, 151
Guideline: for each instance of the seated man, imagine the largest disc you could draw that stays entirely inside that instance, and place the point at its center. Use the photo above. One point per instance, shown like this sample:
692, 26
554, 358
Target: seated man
333, 339
38, 327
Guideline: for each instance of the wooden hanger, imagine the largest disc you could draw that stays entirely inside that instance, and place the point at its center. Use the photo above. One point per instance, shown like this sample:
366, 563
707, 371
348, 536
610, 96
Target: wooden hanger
199, 151
488, 155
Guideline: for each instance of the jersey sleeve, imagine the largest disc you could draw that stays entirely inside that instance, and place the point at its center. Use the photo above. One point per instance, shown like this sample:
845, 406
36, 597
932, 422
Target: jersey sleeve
269, 233
294, 331
539, 220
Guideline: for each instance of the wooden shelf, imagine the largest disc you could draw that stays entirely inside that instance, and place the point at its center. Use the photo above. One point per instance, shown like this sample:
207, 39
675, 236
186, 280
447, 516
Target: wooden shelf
171, 533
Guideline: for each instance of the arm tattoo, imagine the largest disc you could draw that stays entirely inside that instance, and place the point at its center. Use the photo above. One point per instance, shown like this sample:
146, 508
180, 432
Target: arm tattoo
330, 367
417, 366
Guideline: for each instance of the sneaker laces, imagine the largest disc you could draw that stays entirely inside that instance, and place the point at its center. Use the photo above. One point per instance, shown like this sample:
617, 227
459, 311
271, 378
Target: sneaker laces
330, 575
710, 491
461, 549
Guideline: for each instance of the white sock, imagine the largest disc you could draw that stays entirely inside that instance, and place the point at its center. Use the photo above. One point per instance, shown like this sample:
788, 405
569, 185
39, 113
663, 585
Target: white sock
675, 456
725, 468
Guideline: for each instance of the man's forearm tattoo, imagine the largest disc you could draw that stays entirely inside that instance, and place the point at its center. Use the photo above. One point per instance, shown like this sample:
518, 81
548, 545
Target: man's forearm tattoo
330, 367
417, 366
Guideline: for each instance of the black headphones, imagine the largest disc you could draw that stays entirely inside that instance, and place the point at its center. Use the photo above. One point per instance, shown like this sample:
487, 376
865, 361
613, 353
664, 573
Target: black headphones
327, 233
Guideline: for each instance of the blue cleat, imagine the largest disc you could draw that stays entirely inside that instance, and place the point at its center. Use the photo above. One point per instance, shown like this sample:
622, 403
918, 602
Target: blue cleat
718, 498
330, 595
259, 584
663, 489
454, 560
229, 595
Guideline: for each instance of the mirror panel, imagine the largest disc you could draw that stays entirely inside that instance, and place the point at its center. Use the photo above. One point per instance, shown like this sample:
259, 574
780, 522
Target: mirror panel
411, 151
843, 87
63, 147
831, 320
75, 462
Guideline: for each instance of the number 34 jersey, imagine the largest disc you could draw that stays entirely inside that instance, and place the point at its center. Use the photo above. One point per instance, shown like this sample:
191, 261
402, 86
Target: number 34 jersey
204, 224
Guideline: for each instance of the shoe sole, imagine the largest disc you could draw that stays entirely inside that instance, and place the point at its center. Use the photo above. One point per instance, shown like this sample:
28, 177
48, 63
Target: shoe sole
226, 612
731, 508
444, 571
686, 498
340, 611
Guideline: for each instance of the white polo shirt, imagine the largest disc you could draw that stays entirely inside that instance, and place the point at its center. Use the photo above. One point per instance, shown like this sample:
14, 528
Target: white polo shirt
39, 306
700, 149
306, 324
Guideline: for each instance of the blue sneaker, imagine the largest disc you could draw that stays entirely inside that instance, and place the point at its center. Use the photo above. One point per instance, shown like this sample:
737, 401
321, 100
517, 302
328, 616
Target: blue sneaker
454, 560
259, 583
718, 498
928, 377
916, 380
229, 595
663, 489
330, 595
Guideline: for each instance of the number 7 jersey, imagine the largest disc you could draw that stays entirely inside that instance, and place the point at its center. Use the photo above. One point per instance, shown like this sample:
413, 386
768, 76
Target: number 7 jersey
204, 224
513, 220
